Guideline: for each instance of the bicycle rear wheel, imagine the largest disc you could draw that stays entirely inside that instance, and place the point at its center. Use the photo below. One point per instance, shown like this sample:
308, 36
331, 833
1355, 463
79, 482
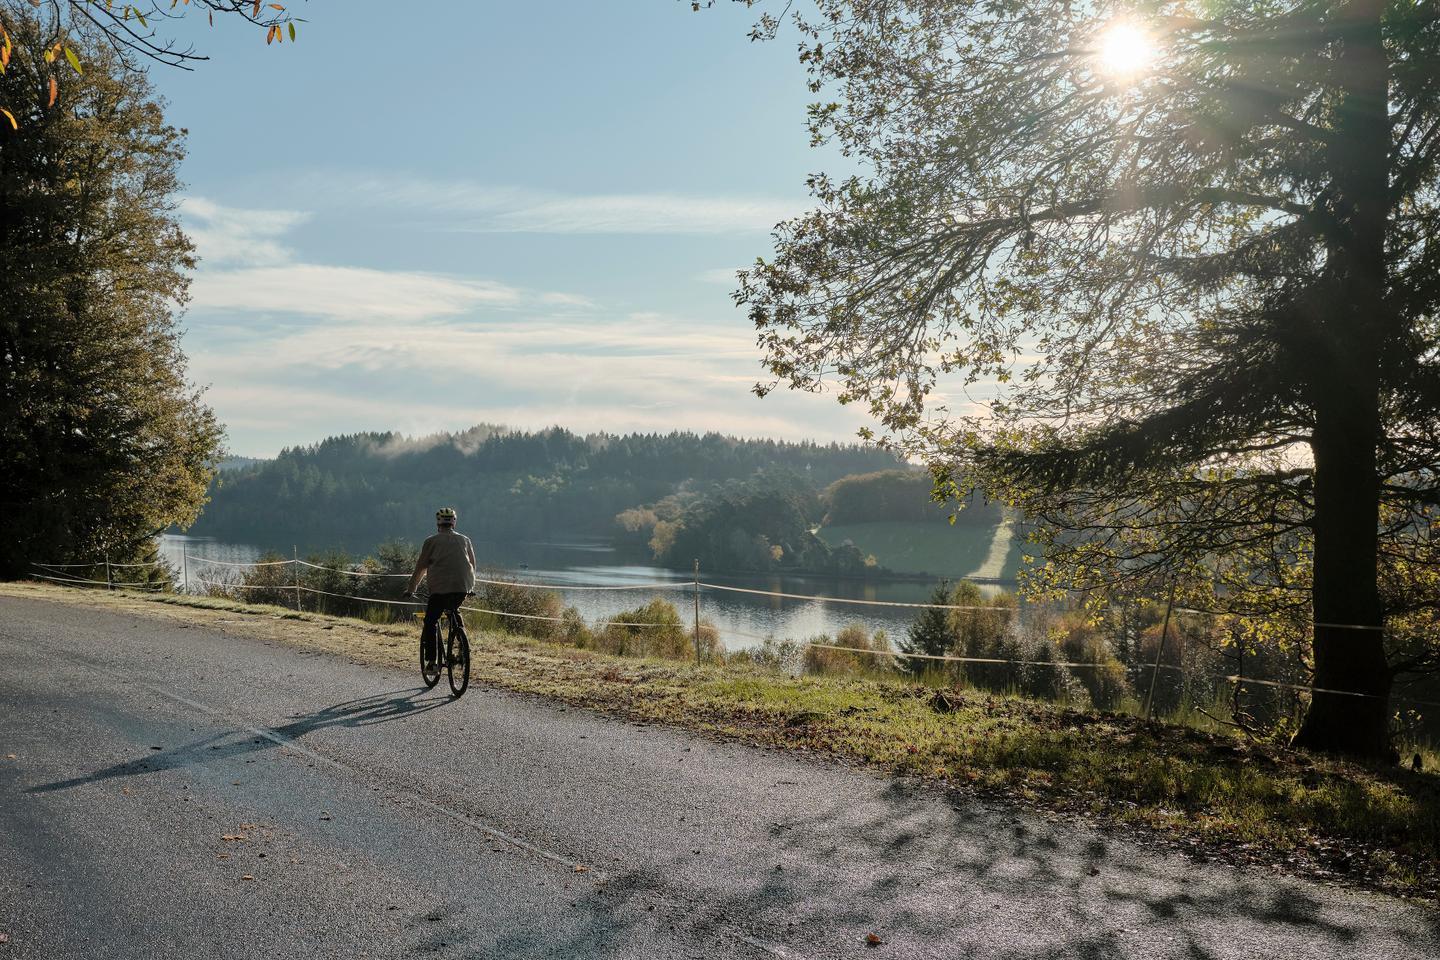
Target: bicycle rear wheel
430, 672
457, 649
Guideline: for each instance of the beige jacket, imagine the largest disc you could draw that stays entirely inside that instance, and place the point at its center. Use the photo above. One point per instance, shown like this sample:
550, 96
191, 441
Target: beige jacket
447, 560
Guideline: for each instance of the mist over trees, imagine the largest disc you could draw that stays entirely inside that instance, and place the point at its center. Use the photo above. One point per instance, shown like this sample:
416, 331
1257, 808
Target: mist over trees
102, 442
357, 490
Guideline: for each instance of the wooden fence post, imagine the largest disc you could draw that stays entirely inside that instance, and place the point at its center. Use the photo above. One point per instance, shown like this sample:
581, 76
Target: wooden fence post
1159, 653
697, 609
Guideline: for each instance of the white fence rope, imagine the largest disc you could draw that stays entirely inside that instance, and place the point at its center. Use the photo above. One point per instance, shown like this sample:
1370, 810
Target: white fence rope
901, 655
348, 573
103, 583
1267, 619
498, 613
1009, 611
1233, 678
288, 587
683, 585
55, 570
231, 563
535, 585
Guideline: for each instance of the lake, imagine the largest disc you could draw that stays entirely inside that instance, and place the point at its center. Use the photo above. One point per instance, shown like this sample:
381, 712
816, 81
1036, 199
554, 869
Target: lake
742, 619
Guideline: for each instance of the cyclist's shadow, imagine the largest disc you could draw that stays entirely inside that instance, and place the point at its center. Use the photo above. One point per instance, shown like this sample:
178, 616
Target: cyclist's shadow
360, 712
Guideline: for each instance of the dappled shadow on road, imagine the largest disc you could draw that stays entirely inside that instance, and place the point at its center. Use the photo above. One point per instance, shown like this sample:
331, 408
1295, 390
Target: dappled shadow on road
938, 875
360, 712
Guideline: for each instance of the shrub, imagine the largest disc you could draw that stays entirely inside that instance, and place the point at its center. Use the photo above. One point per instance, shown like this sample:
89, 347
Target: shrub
1082, 642
526, 603
1044, 677
572, 629
267, 584
852, 637
656, 630
780, 656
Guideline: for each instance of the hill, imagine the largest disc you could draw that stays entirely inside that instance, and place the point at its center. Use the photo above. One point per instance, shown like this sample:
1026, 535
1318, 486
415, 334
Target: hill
357, 490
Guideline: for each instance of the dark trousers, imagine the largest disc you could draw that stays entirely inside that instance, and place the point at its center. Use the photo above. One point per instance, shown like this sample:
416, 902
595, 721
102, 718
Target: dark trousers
437, 604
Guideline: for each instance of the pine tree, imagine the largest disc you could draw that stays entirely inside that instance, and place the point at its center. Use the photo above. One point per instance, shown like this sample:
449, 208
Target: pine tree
1185, 257
930, 634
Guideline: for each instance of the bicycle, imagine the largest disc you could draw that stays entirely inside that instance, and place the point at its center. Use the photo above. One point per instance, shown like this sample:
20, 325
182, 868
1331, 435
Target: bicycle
454, 648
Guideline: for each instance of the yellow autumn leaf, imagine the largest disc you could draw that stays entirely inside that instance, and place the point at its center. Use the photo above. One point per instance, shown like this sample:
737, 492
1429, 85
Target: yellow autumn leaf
11, 117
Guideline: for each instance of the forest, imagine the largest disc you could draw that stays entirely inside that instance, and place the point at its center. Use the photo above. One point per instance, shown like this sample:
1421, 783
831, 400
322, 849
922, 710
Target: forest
360, 489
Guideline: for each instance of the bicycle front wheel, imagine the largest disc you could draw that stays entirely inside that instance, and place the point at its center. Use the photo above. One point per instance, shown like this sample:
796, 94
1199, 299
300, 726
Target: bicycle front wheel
457, 651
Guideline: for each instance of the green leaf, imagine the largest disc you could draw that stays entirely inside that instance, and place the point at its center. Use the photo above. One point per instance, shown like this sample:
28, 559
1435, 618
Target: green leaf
74, 60
141, 17
292, 31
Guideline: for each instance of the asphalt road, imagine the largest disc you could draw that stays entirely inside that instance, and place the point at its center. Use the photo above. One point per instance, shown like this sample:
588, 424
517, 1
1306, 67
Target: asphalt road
382, 820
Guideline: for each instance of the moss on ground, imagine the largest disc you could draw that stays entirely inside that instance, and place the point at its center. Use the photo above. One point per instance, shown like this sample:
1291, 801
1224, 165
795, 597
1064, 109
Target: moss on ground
1213, 794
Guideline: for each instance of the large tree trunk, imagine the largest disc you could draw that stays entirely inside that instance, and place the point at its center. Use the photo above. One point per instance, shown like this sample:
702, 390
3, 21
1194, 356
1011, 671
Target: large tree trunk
1349, 643
1349, 648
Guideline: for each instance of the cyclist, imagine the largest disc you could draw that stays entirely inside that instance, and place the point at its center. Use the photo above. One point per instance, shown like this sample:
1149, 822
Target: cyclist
447, 562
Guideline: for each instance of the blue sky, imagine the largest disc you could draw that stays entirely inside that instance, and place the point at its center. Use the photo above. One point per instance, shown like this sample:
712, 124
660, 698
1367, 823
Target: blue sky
524, 213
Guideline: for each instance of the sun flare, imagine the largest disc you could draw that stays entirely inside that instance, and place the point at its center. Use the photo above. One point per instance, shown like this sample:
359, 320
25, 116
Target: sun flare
1126, 50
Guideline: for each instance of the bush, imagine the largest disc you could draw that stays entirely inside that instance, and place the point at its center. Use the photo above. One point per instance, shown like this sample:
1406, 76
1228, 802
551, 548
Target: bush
265, 584
1082, 642
656, 630
779, 656
572, 629
525, 603
852, 637
1044, 678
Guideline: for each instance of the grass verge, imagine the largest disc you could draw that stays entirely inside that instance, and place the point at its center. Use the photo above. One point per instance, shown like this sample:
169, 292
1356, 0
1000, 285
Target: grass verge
1211, 794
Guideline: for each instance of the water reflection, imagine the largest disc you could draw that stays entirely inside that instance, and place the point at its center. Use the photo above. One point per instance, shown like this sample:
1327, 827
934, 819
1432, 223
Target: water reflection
742, 619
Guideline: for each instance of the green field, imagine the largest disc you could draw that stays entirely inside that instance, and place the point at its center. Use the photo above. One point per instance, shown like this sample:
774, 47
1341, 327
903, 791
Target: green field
924, 547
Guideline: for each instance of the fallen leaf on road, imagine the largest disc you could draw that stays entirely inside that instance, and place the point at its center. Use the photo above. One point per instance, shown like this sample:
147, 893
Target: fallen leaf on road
125, 791
248, 877
871, 940
1094, 871
4, 937
581, 869
325, 816
232, 836
9, 756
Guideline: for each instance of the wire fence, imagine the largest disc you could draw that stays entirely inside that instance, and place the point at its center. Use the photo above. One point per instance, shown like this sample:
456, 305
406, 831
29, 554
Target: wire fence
696, 588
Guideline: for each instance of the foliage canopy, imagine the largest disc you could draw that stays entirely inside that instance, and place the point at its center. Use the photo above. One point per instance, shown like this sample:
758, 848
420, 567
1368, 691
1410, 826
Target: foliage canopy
1191, 307
104, 442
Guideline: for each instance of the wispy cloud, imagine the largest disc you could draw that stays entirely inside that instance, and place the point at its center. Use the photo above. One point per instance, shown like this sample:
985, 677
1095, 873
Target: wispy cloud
720, 276
229, 235
325, 349
351, 293
566, 300
463, 205
247, 266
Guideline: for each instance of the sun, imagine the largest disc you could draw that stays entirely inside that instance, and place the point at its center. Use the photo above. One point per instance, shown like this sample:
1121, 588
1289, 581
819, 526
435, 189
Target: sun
1126, 50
